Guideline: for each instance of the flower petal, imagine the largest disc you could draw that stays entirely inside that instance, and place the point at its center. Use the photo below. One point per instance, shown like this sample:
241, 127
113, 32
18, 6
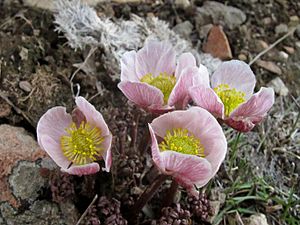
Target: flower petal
187, 169
155, 58
53, 148
87, 169
185, 60
253, 111
107, 157
54, 123
142, 94
180, 95
203, 79
203, 125
155, 151
206, 98
92, 116
128, 65
237, 74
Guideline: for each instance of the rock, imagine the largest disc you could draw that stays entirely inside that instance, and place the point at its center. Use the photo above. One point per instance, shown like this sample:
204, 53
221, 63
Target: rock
26, 181
16, 145
24, 54
204, 30
217, 44
283, 56
215, 208
260, 45
294, 19
270, 66
39, 213
297, 44
5, 109
25, 86
257, 219
182, 3
289, 50
215, 12
281, 29
242, 57
278, 86
218, 194
267, 20
184, 29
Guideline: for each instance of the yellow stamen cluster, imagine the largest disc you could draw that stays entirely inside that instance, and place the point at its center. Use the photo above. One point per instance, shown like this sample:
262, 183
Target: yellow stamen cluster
163, 82
181, 140
230, 97
83, 144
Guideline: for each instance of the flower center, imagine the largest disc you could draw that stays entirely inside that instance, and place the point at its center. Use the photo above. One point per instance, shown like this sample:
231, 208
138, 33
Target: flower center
230, 97
180, 140
83, 144
163, 82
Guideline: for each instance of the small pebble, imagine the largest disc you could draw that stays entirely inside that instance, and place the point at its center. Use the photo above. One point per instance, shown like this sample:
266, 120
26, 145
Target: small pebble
242, 57
283, 55
25, 86
289, 49
281, 29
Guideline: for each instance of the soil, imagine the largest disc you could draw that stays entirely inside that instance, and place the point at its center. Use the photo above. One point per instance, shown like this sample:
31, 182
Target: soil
36, 65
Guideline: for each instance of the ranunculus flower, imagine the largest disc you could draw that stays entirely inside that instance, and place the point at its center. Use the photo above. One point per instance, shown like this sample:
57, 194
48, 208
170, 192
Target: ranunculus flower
230, 97
188, 145
75, 142
151, 79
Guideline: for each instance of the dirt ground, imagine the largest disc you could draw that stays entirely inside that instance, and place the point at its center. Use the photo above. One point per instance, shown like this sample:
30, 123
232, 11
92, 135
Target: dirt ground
36, 65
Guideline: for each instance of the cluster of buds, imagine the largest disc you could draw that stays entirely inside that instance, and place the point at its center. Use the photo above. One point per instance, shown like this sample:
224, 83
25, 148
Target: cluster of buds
174, 215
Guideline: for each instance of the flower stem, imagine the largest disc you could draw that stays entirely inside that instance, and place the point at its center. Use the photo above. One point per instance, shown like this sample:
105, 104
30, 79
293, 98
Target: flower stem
170, 195
148, 194
234, 149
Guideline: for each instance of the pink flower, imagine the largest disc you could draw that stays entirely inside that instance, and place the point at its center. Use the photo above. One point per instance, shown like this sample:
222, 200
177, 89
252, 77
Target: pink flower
151, 79
76, 141
231, 97
192, 146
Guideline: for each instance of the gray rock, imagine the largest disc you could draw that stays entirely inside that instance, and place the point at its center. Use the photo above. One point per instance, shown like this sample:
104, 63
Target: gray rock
26, 180
278, 86
184, 29
182, 3
257, 219
281, 29
215, 12
40, 213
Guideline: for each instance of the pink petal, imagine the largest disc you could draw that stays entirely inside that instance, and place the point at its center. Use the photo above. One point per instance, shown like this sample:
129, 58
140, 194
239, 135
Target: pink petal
237, 74
185, 60
187, 169
180, 94
107, 154
92, 115
203, 125
54, 123
128, 72
253, 111
53, 148
203, 78
155, 151
142, 94
87, 169
155, 58
206, 98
